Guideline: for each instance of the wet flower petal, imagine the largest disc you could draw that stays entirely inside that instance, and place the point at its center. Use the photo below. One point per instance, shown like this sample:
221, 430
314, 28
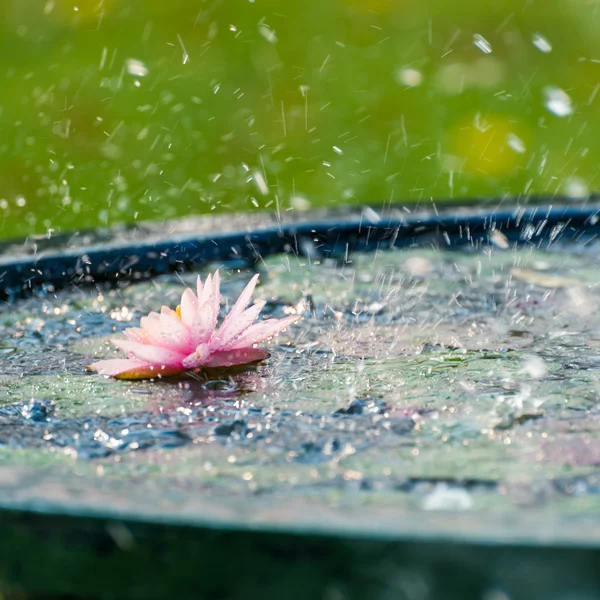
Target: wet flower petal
130, 368
173, 341
198, 357
226, 335
174, 333
205, 320
238, 308
155, 355
135, 334
199, 288
263, 331
231, 358
151, 327
189, 307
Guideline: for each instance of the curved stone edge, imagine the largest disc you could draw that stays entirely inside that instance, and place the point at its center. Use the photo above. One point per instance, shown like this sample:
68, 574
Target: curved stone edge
40, 493
21, 275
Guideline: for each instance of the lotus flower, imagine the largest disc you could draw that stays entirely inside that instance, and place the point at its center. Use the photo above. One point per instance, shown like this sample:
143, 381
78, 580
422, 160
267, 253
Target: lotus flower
187, 338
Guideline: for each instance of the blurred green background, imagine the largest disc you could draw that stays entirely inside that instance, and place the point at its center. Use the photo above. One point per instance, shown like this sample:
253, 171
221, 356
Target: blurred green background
124, 110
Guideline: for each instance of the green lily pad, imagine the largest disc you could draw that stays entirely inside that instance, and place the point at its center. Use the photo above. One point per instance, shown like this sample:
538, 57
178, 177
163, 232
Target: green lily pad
416, 379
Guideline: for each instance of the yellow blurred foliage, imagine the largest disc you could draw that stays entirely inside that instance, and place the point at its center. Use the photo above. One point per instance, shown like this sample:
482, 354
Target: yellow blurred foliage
491, 145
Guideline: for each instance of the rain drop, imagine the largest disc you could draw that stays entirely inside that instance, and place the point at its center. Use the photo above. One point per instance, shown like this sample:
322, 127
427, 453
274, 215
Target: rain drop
541, 43
267, 33
260, 182
576, 188
557, 101
482, 44
515, 143
136, 67
409, 77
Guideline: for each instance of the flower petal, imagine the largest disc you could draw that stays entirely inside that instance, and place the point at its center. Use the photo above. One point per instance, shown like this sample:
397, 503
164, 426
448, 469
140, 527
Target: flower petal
206, 290
262, 331
230, 358
199, 288
201, 328
152, 328
189, 306
234, 327
216, 295
135, 334
174, 334
165, 310
130, 368
197, 358
211, 293
155, 355
205, 320
165, 331
238, 308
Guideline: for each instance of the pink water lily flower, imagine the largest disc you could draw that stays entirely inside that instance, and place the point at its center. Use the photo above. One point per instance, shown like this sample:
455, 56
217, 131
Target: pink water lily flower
187, 338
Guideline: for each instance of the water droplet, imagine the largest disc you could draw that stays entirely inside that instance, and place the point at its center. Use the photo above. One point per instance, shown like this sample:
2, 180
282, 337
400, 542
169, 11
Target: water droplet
418, 266
300, 203
541, 43
515, 143
447, 498
499, 239
220, 385
558, 102
482, 44
370, 215
260, 182
267, 33
576, 188
409, 77
136, 67
534, 366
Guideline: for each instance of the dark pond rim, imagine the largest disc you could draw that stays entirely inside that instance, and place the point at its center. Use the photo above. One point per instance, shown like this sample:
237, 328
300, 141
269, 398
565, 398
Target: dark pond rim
107, 559
101, 554
532, 528
316, 235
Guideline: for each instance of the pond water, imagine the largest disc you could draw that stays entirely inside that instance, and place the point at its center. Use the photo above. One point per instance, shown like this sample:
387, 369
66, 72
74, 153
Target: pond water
418, 379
